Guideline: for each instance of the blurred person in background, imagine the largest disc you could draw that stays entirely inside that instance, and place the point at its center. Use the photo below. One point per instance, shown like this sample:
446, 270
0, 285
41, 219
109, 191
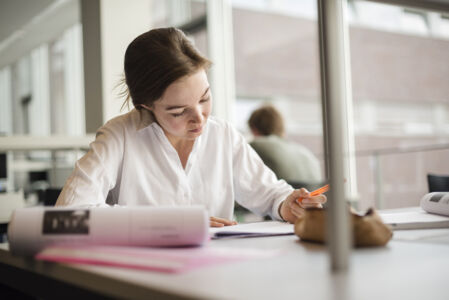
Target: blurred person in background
289, 161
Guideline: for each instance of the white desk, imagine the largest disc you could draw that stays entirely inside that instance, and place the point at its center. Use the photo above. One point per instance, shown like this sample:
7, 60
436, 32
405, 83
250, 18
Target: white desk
29, 143
404, 269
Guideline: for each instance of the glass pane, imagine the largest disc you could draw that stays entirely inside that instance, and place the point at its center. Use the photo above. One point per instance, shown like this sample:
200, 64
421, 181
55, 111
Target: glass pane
57, 87
400, 71
176, 12
184, 14
277, 62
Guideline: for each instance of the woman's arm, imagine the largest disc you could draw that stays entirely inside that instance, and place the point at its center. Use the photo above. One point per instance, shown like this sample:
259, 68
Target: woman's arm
258, 189
95, 174
256, 186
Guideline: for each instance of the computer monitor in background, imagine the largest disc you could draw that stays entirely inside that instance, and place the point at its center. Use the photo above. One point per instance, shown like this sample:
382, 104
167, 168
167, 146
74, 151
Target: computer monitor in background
3, 172
3, 169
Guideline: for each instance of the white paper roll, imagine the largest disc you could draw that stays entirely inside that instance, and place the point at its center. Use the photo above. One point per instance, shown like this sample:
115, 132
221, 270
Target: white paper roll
32, 229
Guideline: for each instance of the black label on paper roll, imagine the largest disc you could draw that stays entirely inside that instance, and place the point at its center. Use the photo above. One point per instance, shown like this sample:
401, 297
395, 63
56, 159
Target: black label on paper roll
66, 222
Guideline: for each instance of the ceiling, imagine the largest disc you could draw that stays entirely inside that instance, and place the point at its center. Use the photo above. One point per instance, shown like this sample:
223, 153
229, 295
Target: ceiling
26, 24
14, 14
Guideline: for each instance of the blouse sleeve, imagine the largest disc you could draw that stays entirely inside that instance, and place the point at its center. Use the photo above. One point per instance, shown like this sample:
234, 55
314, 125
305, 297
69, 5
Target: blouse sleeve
256, 186
95, 174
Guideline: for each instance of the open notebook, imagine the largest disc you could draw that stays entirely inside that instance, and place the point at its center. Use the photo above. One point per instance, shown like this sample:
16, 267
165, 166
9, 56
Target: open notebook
258, 229
398, 219
413, 218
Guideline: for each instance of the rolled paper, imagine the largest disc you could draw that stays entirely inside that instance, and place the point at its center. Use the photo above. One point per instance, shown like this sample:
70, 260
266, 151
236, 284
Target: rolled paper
32, 229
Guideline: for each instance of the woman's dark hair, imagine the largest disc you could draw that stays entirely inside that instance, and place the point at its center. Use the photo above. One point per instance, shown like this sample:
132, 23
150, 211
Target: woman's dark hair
267, 120
156, 59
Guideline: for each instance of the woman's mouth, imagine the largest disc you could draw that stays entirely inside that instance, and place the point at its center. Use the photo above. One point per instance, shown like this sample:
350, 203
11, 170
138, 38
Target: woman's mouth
196, 130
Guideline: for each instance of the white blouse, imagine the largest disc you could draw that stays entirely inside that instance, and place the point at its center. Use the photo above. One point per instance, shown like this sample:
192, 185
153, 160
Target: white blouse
131, 162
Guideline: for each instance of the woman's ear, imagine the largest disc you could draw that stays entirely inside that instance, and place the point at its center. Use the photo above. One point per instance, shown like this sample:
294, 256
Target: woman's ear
147, 107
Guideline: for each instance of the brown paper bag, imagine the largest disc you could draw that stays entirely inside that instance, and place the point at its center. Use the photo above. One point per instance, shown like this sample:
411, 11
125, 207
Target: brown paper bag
368, 230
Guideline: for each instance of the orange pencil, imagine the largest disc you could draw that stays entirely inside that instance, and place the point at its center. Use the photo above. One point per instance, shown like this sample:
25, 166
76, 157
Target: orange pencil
316, 192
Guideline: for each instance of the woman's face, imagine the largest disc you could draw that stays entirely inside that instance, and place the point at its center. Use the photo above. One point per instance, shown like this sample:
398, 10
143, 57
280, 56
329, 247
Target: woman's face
184, 107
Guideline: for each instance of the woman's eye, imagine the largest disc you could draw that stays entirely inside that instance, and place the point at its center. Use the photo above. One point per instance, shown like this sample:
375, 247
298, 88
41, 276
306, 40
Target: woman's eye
205, 100
177, 115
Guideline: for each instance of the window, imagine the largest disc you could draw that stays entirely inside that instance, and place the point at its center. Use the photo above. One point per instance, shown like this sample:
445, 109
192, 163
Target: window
401, 101
277, 61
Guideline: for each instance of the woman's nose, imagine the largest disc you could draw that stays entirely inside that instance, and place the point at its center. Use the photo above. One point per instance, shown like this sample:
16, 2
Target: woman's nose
197, 115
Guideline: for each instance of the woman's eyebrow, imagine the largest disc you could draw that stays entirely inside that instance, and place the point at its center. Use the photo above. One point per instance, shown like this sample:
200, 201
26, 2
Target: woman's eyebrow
175, 107
205, 92
172, 107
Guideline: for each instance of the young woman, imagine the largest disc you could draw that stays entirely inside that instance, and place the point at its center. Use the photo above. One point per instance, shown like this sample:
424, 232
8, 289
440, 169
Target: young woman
169, 151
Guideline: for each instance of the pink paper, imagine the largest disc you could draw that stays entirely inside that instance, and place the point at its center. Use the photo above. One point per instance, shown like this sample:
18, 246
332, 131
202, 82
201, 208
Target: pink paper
168, 260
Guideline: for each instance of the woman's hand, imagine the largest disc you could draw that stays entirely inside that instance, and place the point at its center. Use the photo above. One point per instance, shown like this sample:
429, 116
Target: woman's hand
290, 210
219, 222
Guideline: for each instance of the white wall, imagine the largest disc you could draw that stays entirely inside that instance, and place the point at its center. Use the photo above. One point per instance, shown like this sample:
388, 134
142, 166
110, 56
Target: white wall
5, 101
39, 108
121, 22
74, 87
